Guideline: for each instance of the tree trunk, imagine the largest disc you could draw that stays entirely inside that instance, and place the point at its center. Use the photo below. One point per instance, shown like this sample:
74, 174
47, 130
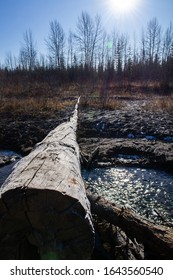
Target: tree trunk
43, 202
157, 239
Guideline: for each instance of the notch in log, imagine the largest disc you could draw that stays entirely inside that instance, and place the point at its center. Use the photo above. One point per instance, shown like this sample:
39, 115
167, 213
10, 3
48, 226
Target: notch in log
43, 201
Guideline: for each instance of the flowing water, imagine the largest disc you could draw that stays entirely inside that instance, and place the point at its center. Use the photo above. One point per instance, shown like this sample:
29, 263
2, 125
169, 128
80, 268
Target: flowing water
147, 191
6, 169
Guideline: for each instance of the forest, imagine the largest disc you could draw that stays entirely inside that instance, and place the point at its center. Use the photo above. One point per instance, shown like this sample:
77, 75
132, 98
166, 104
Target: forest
90, 53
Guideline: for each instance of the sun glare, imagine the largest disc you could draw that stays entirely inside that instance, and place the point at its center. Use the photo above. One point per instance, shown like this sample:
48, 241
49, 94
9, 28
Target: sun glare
123, 6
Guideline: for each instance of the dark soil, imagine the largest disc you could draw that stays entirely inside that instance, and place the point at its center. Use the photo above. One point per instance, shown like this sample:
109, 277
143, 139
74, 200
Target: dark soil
132, 135
20, 133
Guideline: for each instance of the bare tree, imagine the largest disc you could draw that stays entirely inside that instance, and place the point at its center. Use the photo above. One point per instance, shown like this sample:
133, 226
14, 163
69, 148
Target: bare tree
143, 48
88, 36
9, 61
28, 52
121, 53
112, 41
56, 44
71, 53
167, 43
153, 40
104, 51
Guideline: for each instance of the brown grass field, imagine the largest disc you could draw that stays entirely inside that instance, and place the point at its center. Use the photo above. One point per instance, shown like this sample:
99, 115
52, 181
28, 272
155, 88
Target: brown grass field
42, 98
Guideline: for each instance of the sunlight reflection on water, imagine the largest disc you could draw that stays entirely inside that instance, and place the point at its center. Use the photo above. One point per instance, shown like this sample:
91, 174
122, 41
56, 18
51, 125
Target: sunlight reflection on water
147, 191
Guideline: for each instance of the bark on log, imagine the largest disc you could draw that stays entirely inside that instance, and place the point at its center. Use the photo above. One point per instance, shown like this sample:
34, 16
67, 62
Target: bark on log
157, 239
44, 202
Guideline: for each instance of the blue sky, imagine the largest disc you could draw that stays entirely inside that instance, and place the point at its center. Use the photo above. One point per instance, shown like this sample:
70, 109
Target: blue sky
17, 16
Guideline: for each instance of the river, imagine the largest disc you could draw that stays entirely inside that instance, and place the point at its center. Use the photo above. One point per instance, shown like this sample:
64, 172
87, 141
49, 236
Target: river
6, 169
149, 192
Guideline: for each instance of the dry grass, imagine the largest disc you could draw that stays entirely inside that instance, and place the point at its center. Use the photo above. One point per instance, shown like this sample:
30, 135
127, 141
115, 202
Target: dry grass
33, 105
41, 97
158, 103
35, 98
101, 103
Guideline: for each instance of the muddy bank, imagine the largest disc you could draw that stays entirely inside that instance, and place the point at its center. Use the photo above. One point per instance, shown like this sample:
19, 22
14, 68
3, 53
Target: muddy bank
131, 135
134, 119
127, 152
21, 132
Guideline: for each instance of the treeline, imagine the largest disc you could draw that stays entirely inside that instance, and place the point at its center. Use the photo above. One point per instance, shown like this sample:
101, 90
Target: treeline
91, 52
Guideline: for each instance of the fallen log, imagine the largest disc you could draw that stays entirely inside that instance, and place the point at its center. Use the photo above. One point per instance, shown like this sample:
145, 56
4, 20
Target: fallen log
43, 202
157, 239
112, 243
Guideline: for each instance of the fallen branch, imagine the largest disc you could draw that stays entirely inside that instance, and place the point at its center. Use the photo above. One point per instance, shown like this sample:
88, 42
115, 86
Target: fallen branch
157, 239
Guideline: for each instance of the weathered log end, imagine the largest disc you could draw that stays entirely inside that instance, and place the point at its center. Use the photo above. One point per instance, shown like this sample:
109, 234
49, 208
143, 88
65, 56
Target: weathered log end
55, 224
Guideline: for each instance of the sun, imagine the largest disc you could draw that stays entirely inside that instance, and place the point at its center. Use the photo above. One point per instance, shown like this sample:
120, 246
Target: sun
122, 6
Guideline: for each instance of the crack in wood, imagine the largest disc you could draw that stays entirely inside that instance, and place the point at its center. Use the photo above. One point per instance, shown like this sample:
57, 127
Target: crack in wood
35, 173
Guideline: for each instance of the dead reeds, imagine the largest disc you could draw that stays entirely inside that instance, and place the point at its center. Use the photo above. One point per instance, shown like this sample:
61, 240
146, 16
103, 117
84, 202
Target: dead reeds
42, 97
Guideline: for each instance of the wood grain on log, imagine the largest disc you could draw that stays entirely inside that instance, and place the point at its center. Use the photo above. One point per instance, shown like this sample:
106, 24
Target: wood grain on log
155, 238
44, 202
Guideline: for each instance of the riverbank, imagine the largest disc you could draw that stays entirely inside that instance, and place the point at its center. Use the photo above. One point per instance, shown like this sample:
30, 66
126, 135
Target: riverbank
20, 132
135, 135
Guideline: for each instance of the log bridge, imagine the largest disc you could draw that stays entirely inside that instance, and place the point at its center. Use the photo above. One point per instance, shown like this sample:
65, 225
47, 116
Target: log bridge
43, 203
45, 207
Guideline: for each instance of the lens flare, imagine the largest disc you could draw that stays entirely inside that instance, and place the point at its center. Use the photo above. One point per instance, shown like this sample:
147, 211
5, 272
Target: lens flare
122, 7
